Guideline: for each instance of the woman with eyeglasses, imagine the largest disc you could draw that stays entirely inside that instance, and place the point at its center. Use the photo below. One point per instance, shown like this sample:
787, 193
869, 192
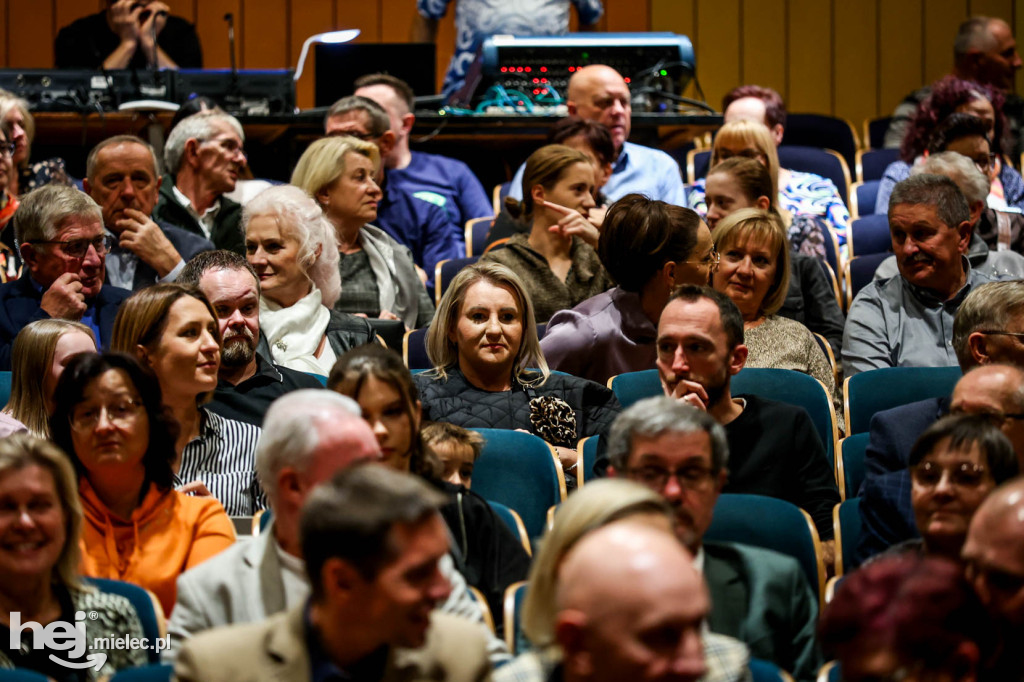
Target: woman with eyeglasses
649, 248
111, 422
739, 183
954, 465
10, 259
808, 203
754, 273
14, 112
950, 96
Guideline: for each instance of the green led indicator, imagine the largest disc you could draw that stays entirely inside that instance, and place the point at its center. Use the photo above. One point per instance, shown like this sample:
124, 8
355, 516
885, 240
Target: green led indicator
664, 72
586, 55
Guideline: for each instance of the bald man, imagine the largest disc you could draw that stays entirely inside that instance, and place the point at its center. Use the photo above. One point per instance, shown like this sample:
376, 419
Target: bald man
630, 606
994, 559
599, 93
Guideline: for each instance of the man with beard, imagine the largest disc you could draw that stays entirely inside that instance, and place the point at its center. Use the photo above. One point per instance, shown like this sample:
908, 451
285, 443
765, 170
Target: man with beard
249, 382
775, 449
758, 596
907, 320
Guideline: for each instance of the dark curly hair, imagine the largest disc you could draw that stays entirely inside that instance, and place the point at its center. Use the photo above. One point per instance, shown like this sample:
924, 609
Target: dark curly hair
163, 429
947, 95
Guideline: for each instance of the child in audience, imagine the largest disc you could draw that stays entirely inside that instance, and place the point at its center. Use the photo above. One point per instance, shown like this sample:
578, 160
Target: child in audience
457, 449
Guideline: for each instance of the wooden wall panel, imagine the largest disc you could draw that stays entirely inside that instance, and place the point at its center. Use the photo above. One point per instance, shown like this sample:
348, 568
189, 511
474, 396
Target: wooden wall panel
316, 16
718, 59
267, 38
852, 59
940, 23
627, 15
764, 55
30, 33
900, 51
213, 32
855, 92
362, 15
810, 55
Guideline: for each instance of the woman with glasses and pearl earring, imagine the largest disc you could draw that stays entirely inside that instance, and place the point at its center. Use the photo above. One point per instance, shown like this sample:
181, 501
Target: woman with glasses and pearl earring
111, 422
10, 259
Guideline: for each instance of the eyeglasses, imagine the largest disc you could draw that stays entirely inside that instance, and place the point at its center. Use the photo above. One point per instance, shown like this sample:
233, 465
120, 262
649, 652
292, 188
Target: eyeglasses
690, 477
77, 248
995, 332
7, 148
964, 475
996, 418
365, 137
712, 259
121, 414
985, 165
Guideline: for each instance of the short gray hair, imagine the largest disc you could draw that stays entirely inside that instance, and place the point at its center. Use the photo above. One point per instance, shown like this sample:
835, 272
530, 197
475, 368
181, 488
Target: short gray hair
973, 34
298, 215
933, 190
90, 162
202, 127
654, 417
961, 170
987, 307
380, 122
290, 433
43, 211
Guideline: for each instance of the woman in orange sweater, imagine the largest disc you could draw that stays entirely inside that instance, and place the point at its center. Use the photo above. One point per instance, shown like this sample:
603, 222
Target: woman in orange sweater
109, 419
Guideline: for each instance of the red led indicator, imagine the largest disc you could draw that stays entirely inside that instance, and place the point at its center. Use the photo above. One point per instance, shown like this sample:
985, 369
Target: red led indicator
504, 69
627, 80
571, 69
528, 69
543, 69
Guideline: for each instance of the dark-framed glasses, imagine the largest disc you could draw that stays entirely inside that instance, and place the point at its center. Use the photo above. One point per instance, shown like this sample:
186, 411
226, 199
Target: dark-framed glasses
121, 413
964, 475
692, 477
77, 248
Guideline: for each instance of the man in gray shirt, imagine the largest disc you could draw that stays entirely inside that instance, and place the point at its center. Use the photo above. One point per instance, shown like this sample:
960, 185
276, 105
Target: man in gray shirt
907, 320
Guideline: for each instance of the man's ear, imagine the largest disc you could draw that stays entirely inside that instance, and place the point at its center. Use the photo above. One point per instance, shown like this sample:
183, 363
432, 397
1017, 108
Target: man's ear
407, 122
777, 133
386, 143
977, 345
964, 230
191, 151
289, 487
340, 580
763, 203
86, 186
738, 359
29, 255
570, 633
571, 106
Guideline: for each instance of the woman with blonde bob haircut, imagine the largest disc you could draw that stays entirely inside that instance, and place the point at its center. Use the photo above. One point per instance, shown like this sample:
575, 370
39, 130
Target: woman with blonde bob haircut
172, 329
482, 345
294, 251
40, 352
596, 505
44, 586
754, 273
808, 203
378, 275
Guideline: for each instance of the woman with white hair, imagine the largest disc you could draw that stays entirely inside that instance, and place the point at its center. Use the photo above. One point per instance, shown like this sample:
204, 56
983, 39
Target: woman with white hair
292, 247
378, 273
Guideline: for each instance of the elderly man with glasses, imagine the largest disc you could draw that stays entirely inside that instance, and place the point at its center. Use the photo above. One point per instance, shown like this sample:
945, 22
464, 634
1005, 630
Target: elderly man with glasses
63, 243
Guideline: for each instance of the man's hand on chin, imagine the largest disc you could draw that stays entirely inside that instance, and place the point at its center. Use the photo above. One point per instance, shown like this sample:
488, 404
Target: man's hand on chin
689, 392
64, 299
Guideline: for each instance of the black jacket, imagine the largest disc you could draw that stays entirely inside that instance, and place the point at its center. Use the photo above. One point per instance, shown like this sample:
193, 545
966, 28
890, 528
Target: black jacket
227, 226
811, 301
457, 401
